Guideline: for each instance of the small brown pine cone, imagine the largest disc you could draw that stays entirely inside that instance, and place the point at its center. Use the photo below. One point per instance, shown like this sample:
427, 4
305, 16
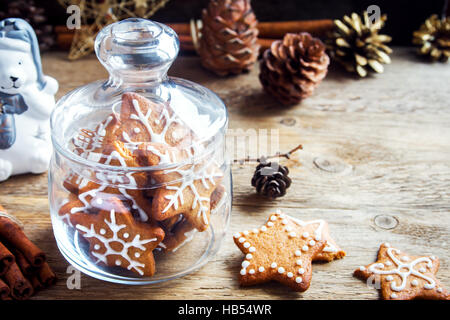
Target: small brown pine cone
292, 68
228, 42
271, 179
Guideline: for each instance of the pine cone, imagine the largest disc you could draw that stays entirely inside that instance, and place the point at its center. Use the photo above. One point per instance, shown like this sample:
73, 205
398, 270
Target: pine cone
271, 179
292, 68
35, 16
357, 45
434, 38
228, 42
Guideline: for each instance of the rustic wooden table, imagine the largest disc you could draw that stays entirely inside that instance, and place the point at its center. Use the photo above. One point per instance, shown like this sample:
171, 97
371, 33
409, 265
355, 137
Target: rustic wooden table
375, 164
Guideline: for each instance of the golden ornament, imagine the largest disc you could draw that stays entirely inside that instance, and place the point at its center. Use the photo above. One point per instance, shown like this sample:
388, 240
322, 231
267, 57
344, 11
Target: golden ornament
96, 14
356, 44
433, 37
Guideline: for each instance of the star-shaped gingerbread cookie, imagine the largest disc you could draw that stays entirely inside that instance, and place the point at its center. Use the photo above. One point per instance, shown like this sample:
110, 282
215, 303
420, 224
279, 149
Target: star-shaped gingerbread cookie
102, 184
191, 196
143, 120
331, 251
180, 234
182, 188
117, 240
404, 277
179, 231
93, 144
281, 250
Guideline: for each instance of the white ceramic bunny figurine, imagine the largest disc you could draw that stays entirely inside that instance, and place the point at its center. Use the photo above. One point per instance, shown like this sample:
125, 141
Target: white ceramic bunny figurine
26, 102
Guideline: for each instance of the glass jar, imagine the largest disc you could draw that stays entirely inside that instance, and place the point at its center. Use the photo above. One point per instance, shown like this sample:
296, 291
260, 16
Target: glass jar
139, 184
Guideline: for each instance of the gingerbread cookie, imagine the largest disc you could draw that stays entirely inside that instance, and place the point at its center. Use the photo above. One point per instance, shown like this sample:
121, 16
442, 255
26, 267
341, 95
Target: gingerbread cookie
66, 206
94, 195
179, 231
125, 186
194, 184
177, 194
91, 144
169, 224
191, 196
180, 234
117, 240
147, 121
73, 204
331, 251
154, 154
217, 197
281, 250
404, 277
72, 182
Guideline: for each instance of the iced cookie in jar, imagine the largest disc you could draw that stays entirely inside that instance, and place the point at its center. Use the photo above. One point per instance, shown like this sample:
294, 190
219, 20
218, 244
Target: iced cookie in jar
139, 186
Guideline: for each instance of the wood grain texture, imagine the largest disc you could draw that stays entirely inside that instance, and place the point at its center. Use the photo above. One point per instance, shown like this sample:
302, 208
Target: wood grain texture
375, 165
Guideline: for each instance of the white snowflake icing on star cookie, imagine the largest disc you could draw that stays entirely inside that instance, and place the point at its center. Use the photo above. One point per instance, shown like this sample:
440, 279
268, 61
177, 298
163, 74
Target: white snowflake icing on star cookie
402, 276
121, 237
404, 269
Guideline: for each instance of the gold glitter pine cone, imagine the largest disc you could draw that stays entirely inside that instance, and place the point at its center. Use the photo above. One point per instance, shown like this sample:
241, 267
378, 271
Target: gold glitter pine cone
433, 37
293, 67
356, 44
228, 43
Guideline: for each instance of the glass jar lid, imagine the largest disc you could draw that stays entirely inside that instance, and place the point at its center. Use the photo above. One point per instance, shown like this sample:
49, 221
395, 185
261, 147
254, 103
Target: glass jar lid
139, 104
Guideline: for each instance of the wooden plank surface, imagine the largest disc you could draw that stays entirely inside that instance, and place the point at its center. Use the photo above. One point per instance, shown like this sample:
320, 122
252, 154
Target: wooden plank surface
375, 165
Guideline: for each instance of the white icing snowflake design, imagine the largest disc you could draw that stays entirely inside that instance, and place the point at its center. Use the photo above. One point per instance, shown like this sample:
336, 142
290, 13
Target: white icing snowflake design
404, 269
205, 175
88, 141
108, 178
126, 243
329, 247
145, 120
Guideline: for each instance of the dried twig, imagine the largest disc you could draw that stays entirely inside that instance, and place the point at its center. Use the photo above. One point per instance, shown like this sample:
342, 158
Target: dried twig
286, 155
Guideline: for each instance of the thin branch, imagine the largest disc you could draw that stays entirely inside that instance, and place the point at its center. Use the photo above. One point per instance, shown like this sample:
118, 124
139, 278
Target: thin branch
286, 155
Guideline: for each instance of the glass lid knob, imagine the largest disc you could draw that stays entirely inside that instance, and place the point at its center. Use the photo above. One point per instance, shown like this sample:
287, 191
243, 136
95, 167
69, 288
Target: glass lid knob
137, 49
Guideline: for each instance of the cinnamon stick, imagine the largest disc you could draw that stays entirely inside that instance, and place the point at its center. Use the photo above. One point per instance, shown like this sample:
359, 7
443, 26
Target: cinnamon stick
22, 262
62, 29
46, 275
278, 29
4, 291
14, 235
275, 29
268, 32
180, 28
6, 259
186, 42
268, 29
64, 40
265, 43
37, 285
21, 288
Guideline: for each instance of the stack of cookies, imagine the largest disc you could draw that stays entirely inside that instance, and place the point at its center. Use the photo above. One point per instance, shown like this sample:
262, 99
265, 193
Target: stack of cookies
152, 186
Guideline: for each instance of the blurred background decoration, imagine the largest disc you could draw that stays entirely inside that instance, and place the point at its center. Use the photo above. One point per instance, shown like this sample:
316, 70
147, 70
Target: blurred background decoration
49, 17
96, 14
433, 39
35, 15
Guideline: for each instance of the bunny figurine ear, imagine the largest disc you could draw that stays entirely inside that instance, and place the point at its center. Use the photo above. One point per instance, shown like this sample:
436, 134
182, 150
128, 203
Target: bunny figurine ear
26, 101
17, 33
